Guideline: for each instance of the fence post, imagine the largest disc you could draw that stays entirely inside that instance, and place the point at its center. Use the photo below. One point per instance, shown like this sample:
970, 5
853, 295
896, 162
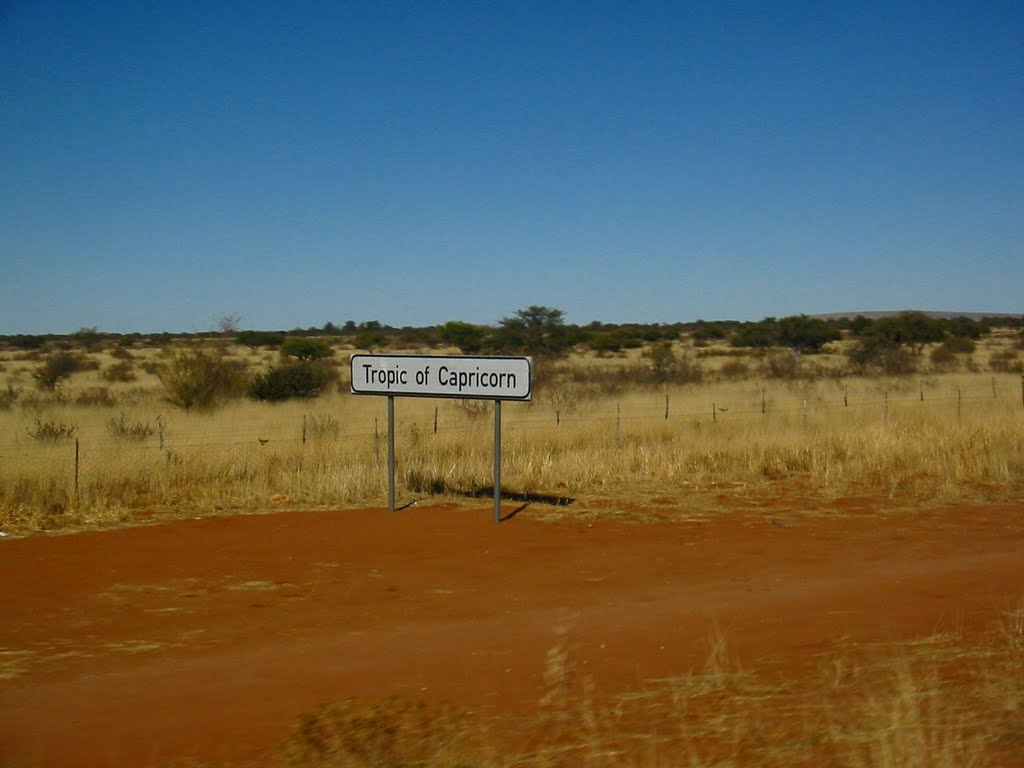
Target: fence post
666, 406
435, 419
376, 441
77, 496
922, 391
764, 403
993, 387
714, 412
303, 429
846, 396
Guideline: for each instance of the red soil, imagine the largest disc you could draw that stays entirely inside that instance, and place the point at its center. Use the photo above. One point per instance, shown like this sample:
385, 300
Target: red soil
205, 638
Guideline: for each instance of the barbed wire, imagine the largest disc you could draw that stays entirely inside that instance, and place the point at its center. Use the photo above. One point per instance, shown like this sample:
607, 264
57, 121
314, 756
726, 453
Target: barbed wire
608, 410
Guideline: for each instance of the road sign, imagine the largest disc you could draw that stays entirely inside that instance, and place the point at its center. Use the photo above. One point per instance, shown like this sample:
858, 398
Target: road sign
460, 376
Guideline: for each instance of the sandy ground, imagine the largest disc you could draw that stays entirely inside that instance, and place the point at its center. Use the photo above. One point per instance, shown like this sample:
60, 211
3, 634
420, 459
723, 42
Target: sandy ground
206, 638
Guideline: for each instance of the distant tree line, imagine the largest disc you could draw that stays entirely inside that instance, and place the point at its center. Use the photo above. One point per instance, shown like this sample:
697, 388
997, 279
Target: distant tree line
541, 331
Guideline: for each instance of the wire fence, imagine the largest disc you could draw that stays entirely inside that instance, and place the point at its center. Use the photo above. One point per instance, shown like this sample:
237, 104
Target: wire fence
356, 436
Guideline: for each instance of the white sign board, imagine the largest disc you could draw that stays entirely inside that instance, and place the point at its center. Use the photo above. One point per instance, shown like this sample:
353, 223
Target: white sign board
462, 376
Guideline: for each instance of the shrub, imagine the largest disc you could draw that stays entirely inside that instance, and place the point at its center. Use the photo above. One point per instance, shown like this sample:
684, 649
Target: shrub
370, 340
201, 378
960, 345
467, 337
325, 426
664, 364
95, 396
52, 430
122, 371
879, 355
943, 357
124, 427
9, 396
254, 339
781, 364
306, 349
688, 370
1006, 361
56, 368
735, 369
301, 379
392, 733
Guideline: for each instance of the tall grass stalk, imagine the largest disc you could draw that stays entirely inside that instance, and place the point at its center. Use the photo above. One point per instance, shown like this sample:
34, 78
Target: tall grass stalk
252, 456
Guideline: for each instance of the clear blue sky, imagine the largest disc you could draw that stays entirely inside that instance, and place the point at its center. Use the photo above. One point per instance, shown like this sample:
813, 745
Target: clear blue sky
163, 164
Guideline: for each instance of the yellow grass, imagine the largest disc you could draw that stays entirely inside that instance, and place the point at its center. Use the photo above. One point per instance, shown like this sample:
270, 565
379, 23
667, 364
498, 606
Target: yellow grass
589, 435
947, 701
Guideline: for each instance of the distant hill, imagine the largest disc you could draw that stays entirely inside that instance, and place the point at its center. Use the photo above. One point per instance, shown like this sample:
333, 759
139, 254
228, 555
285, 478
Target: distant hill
939, 315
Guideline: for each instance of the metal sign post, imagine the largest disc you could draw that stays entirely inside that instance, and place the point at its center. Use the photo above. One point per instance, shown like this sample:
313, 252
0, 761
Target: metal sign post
465, 377
497, 461
391, 453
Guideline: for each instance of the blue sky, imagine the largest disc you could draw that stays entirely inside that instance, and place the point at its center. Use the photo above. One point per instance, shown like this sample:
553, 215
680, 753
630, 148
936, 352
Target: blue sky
165, 164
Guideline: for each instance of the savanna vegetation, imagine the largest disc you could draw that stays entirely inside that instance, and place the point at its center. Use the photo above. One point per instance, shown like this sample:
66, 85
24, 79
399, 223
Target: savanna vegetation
101, 429
96, 428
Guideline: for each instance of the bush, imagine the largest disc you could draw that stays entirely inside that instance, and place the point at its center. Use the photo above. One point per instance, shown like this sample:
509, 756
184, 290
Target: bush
664, 364
9, 396
95, 396
124, 427
306, 349
799, 332
297, 379
467, 337
943, 358
201, 378
781, 364
881, 356
1006, 361
391, 733
735, 369
323, 427
122, 371
56, 368
254, 339
52, 430
370, 339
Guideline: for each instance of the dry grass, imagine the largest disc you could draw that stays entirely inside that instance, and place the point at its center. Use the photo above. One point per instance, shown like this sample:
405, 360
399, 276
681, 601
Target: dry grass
595, 430
947, 701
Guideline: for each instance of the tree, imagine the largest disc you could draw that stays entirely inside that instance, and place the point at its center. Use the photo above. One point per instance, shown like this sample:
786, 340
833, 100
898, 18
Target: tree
306, 349
289, 379
254, 339
799, 332
228, 324
762, 334
56, 368
806, 334
663, 361
536, 330
201, 378
467, 337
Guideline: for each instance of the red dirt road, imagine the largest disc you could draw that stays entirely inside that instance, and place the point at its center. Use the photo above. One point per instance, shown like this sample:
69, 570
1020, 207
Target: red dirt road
205, 638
